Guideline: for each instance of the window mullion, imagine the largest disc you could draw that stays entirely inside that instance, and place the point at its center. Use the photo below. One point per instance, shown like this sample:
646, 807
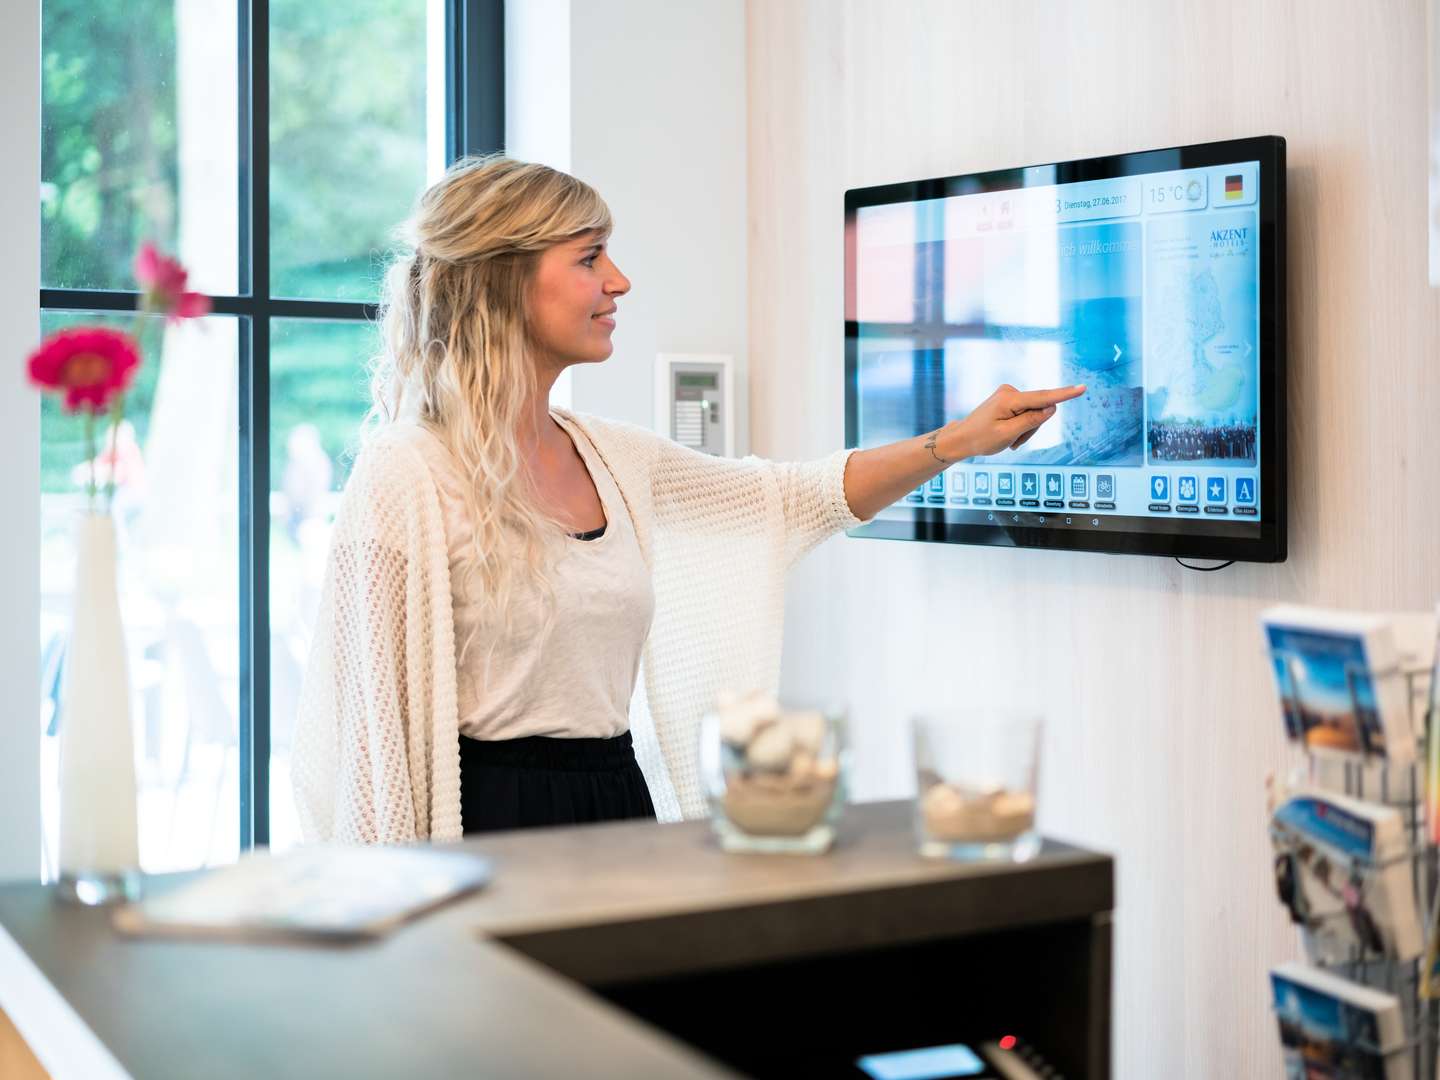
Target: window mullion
475, 76
254, 471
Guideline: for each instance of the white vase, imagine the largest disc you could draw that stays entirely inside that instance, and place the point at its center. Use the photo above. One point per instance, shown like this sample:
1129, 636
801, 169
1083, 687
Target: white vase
99, 842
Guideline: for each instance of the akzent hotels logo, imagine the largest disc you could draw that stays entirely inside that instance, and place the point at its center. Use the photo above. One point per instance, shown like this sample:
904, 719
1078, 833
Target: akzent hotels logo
1234, 187
1229, 239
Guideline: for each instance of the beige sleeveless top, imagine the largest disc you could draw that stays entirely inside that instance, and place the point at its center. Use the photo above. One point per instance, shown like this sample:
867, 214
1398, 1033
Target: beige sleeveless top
578, 681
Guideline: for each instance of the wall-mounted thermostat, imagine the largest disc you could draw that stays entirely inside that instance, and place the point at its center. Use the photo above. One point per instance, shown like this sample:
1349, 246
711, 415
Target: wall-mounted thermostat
695, 401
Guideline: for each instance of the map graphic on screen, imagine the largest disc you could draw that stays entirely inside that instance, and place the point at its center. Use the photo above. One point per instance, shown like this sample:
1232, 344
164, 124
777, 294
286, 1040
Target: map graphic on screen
1202, 396
1146, 287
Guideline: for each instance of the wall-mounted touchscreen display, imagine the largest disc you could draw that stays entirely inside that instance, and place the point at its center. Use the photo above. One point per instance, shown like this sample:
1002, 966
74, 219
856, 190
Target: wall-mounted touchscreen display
1156, 279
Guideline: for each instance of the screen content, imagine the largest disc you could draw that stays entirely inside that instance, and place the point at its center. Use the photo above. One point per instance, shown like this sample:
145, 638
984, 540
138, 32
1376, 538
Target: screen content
929, 1063
1144, 288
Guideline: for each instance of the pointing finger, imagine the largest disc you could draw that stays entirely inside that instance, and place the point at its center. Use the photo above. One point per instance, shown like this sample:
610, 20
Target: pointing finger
1030, 419
1039, 399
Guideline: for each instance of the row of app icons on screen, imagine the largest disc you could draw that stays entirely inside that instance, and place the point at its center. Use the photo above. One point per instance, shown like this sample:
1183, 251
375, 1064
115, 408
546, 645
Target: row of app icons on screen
1081, 491
1212, 491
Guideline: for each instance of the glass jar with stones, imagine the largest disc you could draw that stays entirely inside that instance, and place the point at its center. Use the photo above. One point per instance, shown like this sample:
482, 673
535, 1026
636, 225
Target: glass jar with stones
774, 774
976, 772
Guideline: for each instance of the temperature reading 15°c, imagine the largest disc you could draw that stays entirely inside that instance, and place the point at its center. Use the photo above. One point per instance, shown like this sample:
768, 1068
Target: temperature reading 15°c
1176, 193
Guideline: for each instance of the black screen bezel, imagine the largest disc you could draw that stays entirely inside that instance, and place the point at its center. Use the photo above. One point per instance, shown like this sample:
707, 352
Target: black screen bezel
1270, 545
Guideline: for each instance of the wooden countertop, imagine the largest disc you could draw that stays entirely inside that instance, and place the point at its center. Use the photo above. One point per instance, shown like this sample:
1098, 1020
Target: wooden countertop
496, 984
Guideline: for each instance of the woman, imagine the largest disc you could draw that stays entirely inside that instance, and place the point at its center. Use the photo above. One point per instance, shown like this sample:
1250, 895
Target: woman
501, 572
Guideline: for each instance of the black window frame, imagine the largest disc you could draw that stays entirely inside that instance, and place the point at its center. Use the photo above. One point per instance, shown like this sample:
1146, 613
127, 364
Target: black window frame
475, 123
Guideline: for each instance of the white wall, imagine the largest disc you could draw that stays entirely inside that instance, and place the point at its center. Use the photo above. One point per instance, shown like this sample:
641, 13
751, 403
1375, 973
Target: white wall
1162, 721
656, 122
20, 443
537, 82
537, 102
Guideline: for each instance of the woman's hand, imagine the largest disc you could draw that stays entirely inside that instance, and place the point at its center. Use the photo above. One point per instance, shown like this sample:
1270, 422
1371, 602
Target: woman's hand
1003, 421
1006, 419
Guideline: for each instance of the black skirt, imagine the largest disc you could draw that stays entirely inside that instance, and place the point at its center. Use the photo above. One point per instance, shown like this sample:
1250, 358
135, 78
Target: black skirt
540, 780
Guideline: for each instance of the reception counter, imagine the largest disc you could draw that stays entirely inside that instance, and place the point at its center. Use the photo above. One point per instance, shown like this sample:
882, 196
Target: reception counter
619, 950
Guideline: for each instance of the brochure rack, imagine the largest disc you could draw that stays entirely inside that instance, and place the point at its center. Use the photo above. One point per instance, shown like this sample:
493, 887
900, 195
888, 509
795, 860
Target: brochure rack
1404, 788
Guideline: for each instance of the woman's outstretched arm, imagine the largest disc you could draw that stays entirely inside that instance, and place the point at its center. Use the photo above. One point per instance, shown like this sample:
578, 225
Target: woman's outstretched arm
1006, 419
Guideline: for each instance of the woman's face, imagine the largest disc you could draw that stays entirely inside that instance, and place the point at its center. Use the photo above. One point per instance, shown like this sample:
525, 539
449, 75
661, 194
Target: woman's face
572, 301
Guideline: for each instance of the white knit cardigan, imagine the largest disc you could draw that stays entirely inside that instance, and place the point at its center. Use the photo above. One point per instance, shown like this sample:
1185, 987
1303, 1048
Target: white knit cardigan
376, 751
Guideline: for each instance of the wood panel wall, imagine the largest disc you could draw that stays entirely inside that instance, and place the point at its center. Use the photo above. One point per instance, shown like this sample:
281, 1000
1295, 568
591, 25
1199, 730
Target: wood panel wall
1161, 719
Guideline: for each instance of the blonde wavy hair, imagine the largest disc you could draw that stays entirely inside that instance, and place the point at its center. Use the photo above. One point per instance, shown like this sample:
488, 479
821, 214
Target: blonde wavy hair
455, 331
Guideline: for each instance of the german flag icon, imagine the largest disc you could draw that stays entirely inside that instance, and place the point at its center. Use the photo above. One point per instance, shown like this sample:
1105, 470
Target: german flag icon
1234, 187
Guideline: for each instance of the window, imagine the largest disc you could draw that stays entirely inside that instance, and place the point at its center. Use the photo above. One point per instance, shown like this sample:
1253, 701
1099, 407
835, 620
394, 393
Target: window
273, 146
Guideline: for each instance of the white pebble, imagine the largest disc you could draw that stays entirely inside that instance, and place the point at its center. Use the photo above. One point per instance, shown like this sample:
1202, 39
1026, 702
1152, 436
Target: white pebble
808, 729
943, 801
771, 748
742, 716
802, 767
738, 724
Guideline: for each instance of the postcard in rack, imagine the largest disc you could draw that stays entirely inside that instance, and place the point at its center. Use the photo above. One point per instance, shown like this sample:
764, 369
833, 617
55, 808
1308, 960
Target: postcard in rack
1430, 966
1332, 1027
1430, 969
328, 892
1339, 678
1432, 735
1343, 869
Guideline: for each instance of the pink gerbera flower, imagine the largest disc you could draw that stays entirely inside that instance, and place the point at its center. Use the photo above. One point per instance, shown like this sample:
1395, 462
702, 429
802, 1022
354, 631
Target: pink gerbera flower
163, 280
90, 365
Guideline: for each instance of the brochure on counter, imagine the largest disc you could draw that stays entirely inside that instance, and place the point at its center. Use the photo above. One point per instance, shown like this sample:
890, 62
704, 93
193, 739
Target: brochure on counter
323, 891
